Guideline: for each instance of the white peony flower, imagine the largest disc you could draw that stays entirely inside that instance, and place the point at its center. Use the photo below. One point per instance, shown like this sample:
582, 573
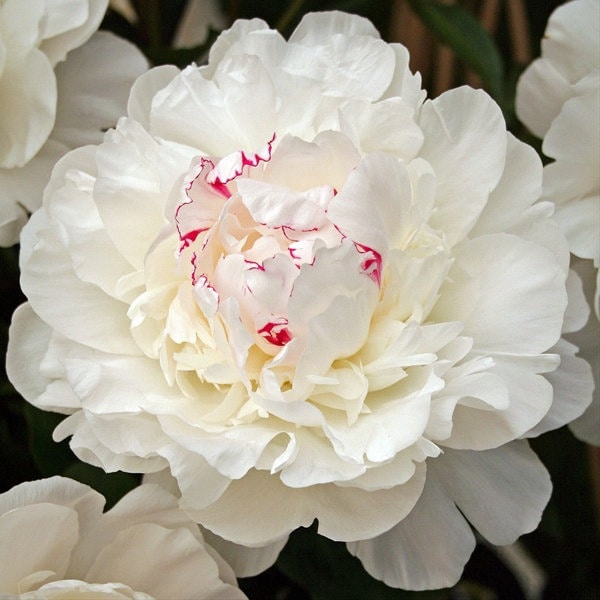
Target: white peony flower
55, 542
50, 106
306, 293
558, 99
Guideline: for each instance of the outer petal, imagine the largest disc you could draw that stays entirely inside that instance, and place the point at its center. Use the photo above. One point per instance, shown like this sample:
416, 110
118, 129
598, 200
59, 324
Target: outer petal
541, 92
573, 385
51, 257
176, 553
43, 521
93, 86
28, 98
494, 287
360, 65
340, 511
502, 492
145, 88
245, 561
448, 124
571, 38
428, 549
42, 536
71, 23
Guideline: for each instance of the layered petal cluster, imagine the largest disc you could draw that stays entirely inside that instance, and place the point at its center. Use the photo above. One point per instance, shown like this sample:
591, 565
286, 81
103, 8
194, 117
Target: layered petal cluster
558, 99
56, 543
56, 91
305, 292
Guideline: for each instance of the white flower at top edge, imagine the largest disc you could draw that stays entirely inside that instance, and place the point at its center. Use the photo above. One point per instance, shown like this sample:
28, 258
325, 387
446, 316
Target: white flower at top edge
306, 293
56, 94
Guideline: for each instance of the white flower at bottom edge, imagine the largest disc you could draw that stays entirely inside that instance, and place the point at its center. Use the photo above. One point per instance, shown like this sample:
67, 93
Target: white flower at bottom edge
308, 294
55, 542
58, 90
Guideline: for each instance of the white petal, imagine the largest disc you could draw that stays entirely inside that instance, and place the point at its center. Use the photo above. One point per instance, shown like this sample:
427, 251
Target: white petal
571, 38
573, 387
28, 340
428, 549
21, 190
109, 330
134, 176
343, 53
348, 296
35, 538
578, 311
378, 223
173, 564
317, 28
72, 589
377, 127
65, 508
530, 398
71, 23
587, 427
340, 511
502, 492
575, 132
55, 490
496, 288
454, 124
28, 98
143, 90
541, 92
518, 189
245, 561
93, 87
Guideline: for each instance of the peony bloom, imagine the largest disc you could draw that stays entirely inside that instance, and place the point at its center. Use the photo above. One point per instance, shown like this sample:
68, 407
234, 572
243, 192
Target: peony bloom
55, 95
558, 99
306, 293
56, 543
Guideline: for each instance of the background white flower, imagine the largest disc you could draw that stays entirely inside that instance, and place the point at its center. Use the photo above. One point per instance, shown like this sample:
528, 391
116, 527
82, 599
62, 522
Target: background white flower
308, 294
56, 93
558, 99
55, 542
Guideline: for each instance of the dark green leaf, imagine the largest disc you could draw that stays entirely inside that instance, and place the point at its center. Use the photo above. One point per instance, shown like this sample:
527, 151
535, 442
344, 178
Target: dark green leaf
457, 28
